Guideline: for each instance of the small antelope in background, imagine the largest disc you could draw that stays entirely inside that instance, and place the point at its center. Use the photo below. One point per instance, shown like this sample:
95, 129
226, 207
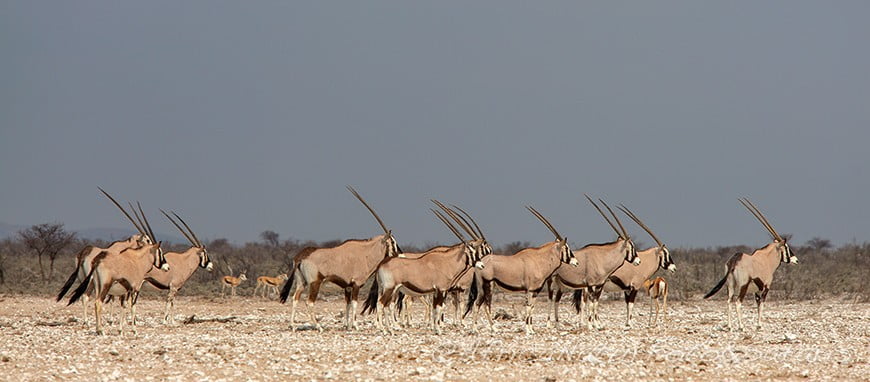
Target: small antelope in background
655, 288
266, 282
232, 282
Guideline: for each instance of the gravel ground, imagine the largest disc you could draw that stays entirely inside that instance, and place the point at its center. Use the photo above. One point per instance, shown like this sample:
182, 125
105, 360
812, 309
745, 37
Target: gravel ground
246, 338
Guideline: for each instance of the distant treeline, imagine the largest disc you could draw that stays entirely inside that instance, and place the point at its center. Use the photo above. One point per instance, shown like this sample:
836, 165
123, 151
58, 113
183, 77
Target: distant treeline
824, 271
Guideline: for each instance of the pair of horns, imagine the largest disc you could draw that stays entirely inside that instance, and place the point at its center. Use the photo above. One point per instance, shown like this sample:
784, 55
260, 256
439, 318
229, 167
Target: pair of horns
624, 233
475, 233
758, 215
381, 222
143, 226
636, 219
191, 237
449, 225
545, 221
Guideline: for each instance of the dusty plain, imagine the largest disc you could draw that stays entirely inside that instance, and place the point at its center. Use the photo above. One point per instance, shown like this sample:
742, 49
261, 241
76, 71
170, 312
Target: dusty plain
248, 338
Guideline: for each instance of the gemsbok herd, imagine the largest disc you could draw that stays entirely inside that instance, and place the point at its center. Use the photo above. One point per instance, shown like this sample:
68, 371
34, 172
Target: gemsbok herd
398, 278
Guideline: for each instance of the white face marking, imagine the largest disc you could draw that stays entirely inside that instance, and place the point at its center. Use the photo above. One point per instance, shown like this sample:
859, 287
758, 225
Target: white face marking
636, 261
672, 268
209, 266
793, 260
574, 262
478, 264
401, 256
165, 267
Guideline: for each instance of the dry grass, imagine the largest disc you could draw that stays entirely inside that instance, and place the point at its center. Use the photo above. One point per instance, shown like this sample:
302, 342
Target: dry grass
248, 338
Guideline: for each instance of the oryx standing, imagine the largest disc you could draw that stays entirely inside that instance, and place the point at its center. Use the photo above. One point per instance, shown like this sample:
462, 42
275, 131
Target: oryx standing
121, 274
181, 265
435, 272
347, 265
525, 272
629, 278
755, 269
86, 256
596, 262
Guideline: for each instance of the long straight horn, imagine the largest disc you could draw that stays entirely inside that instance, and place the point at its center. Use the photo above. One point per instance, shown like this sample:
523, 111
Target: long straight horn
136, 214
179, 228
624, 232
766, 222
640, 223
381, 222
198, 242
476, 227
138, 228
545, 221
457, 218
749, 206
603, 215
148, 225
446, 222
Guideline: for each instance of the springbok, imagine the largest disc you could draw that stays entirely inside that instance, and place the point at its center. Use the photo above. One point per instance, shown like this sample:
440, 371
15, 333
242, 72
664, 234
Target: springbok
656, 288
181, 265
266, 283
596, 263
525, 271
232, 282
756, 269
435, 273
629, 278
86, 256
347, 265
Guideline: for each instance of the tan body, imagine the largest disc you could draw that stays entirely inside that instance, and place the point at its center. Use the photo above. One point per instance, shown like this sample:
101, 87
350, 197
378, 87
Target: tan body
404, 309
124, 271
596, 262
657, 288
182, 265
232, 282
83, 265
265, 283
523, 272
434, 273
347, 265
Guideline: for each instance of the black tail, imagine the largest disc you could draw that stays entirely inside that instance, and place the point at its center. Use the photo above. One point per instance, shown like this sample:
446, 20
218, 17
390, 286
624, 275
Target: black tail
285, 291
472, 296
717, 287
69, 282
400, 302
82, 287
577, 299
371, 300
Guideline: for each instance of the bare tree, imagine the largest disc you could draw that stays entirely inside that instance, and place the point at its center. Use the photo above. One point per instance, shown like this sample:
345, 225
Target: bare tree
819, 244
270, 237
46, 239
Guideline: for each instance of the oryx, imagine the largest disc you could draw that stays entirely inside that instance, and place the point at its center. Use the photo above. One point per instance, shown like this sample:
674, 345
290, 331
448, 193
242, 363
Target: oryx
596, 262
525, 271
756, 269
121, 274
181, 265
86, 256
435, 273
629, 278
347, 265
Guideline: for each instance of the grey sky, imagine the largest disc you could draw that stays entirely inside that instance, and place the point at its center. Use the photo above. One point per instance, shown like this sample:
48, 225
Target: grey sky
247, 116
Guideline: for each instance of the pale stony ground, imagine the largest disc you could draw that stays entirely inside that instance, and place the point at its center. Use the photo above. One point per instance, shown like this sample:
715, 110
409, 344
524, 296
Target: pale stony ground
814, 340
